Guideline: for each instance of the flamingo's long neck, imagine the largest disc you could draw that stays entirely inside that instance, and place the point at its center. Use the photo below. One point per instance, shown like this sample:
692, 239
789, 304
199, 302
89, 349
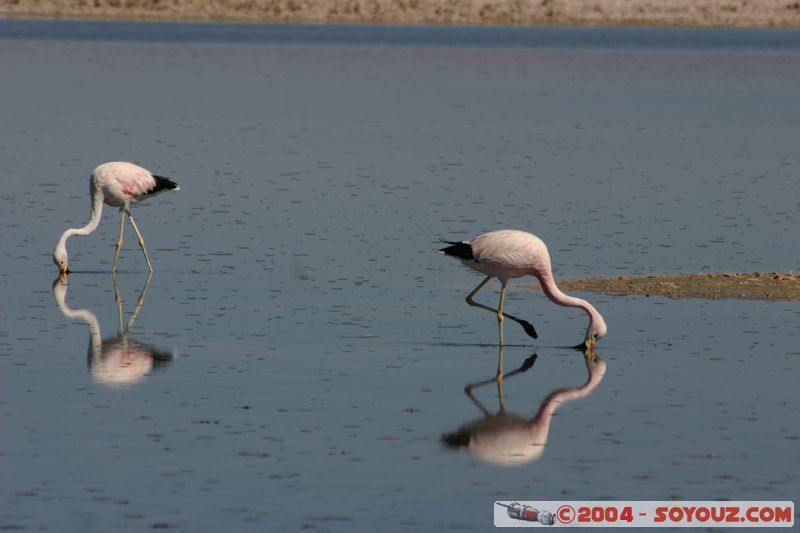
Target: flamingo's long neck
95, 336
94, 221
540, 424
554, 293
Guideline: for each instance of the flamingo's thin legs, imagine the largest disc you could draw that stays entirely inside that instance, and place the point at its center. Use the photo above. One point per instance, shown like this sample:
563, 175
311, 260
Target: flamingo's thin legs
527, 326
141, 241
119, 241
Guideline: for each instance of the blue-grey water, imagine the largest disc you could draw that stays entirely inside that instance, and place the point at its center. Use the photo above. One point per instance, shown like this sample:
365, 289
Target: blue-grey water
311, 349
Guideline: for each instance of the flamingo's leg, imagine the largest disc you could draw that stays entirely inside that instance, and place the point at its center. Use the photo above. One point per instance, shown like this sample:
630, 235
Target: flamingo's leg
139, 302
527, 326
119, 241
118, 299
141, 241
499, 376
500, 328
526, 365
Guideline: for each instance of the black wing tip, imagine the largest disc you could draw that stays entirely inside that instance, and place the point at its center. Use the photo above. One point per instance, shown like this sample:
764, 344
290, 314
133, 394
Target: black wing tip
164, 184
456, 439
462, 250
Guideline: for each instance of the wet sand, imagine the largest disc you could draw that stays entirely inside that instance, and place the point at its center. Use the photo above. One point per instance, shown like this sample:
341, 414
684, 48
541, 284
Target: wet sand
783, 286
712, 13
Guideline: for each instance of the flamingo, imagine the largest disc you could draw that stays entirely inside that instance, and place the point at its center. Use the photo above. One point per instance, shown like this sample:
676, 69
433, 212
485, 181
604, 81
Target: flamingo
507, 254
118, 184
114, 361
510, 439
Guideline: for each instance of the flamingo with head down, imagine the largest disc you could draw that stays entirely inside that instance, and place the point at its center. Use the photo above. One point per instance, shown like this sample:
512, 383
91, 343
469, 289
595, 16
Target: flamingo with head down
508, 439
118, 184
120, 360
508, 254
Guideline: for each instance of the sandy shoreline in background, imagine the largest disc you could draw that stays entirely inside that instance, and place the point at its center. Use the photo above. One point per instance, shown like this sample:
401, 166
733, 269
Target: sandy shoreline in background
783, 286
704, 13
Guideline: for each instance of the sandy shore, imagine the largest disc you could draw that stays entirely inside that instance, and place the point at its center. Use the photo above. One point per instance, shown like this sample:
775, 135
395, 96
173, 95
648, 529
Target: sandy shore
722, 13
750, 286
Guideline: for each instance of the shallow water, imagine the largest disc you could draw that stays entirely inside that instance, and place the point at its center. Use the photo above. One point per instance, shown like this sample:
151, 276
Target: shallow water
314, 349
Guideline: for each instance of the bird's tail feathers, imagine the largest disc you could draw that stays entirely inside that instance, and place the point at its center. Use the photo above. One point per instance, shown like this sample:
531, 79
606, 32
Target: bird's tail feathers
163, 184
462, 250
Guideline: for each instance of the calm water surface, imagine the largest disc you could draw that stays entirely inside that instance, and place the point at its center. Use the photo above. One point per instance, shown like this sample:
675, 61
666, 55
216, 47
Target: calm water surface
310, 349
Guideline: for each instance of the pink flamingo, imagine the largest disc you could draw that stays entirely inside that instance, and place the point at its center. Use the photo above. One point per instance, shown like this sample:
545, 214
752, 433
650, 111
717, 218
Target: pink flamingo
510, 439
119, 184
508, 254
114, 361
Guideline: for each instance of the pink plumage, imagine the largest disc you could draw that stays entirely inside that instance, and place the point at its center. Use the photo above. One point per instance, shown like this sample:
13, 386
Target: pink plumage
124, 183
509, 254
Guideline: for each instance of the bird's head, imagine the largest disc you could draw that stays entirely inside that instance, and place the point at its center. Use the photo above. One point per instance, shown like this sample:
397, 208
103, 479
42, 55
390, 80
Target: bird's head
597, 330
61, 260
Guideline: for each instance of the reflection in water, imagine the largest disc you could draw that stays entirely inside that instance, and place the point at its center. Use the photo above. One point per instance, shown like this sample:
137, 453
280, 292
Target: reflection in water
114, 361
508, 439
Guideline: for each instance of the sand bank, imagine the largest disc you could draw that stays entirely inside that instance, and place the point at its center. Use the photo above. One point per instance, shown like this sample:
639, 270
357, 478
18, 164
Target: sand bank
751, 286
722, 13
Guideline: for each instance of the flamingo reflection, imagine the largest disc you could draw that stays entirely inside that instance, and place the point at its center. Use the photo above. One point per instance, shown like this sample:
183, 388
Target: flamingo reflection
114, 361
509, 439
